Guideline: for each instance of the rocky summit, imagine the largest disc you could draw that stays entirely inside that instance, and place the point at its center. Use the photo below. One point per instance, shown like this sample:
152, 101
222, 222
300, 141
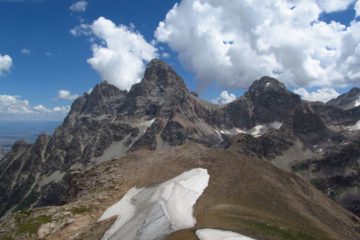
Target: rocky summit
267, 153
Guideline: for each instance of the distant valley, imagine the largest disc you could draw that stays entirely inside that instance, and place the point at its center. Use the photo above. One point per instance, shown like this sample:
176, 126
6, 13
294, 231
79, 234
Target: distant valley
12, 131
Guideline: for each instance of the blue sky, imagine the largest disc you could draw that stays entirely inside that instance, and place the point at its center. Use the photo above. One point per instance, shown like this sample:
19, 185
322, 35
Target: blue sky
57, 60
208, 52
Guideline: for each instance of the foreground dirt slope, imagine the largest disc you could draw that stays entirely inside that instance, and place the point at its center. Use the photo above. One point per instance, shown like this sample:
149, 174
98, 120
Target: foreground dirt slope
245, 195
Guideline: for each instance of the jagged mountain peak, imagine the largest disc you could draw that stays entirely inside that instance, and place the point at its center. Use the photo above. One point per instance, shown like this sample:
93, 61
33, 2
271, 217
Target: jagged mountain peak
160, 77
267, 84
161, 92
271, 100
355, 90
19, 144
268, 89
104, 99
347, 100
105, 89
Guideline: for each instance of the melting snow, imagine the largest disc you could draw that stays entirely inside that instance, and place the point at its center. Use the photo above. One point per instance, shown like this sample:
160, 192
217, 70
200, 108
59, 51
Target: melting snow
123, 208
256, 131
212, 234
148, 124
277, 125
238, 130
260, 130
153, 213
355, 127
357, 102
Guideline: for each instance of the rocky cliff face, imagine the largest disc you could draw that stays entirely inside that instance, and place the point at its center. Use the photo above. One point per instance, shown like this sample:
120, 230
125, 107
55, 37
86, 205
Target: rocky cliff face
160, 113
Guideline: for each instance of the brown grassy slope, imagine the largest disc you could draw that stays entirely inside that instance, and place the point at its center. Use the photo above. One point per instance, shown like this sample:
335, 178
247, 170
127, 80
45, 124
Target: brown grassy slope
245, 195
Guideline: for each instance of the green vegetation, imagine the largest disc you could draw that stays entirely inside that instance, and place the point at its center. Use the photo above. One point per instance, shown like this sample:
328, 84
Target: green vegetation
32, 225
277, 232
79, 210
7, 237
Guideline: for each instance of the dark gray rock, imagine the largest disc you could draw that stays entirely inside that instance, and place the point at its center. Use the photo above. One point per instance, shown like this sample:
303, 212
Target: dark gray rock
332, 115
347, 100
148, 140
271, 100
239, 113
267, 146
174, 134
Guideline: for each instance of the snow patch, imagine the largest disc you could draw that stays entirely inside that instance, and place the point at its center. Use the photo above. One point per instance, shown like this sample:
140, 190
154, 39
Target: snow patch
143, 126
357, 102
238, 130
219, 135
276, 125
212, 234
355, 127
260, 130
124, 209
148, 124
267, 84
153, 213
256, 131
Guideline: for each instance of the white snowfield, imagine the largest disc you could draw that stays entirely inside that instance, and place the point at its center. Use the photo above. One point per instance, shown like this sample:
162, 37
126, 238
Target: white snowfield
212, 234
355, 127
357, 102
153, 213
148, 123
256, 131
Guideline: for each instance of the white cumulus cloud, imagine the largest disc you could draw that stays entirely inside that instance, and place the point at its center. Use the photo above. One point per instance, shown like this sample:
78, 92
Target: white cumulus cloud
322, 94
236, 42
357, 8
16, 108
119, 52
334, 5
79, 6
224, 98
13, 104
5, 64
66, 95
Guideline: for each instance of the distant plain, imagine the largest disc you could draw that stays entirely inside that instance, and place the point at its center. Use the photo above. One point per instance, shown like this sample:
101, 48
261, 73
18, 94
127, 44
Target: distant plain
12, 131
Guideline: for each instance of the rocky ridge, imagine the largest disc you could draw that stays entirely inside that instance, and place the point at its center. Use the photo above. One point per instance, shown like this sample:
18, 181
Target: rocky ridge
347, 101
317, 141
